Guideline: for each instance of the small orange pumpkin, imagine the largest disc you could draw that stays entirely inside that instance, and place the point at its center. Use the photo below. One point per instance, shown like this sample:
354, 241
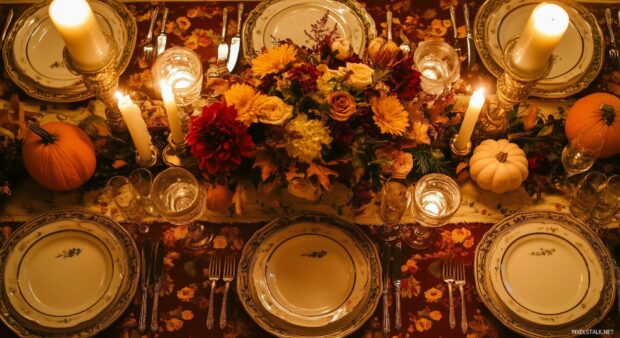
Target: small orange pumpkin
595, 114
59, 155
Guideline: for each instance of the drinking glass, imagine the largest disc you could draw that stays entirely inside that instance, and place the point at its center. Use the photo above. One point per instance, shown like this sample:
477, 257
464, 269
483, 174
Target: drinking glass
578, 156
182, 69
436, 198
438, 64
587, 193
142, 180
608, 202
394, 201
179, 198
127, 199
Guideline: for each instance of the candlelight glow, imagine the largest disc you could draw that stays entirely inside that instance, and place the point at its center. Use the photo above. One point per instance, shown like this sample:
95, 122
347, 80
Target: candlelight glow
70, 13
550, 19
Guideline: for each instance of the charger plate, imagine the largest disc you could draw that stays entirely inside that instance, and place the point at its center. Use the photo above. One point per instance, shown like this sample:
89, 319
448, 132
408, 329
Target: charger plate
309, 275
277, 20
578, 59
67, 273
33, 51
544, 274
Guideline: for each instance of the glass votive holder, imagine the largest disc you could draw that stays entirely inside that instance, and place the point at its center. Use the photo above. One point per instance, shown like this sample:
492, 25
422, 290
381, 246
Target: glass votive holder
586, 194
181, 68
438, 64
436, 198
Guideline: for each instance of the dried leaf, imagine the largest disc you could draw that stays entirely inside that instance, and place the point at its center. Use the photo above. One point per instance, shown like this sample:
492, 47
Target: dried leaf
529, 121
322, 173
264, 161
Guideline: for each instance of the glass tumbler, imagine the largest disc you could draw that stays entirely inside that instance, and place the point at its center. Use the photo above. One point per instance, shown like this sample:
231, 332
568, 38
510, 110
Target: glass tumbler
608, 203
438, 64
181, 68
394, 202
127, 199
586, 194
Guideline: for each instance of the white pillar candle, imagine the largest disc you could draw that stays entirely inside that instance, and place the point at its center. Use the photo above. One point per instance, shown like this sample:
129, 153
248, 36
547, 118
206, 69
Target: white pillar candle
76, 23
469, 120
136, 125
542, 33
174, 120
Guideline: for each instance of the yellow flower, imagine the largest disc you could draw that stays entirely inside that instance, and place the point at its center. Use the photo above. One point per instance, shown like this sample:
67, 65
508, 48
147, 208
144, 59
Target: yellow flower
183, 23
271, 110
220, 242
174, 324
273, 60
242, 96
360, 75
187, 315
432, 295
423, 324
306, 138
186, 294
435, 315
328, 81
342, 48
459, 235
389, 115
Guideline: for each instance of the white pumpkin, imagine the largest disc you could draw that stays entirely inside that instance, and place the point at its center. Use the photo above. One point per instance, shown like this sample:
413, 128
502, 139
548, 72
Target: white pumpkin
498, 166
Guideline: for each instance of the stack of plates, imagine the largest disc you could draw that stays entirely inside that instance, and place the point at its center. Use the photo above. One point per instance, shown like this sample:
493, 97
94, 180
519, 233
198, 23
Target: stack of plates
544, 274
309, 275
67, 273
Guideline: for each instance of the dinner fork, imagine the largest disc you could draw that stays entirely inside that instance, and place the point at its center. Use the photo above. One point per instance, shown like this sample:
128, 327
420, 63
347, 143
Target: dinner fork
456, 45
448, 276
614, 54
228, 275
148, 46
460, 282
215, 270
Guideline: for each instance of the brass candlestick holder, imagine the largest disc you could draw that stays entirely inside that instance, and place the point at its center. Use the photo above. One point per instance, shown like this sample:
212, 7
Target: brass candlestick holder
177, 154
102, 82
456, 151
150, 162
513, 87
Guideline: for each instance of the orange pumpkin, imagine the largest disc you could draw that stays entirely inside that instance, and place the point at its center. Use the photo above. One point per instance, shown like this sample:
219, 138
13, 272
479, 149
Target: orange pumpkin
593, 115
59, 155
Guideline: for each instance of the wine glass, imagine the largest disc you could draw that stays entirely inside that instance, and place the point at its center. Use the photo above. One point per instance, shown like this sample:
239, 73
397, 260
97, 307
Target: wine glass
394, 201
436, 198
142, 180
126, 198
180, 199
608, 202
580, 154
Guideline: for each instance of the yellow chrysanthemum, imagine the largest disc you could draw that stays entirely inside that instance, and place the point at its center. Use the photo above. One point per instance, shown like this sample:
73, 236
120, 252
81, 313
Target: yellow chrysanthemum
306, 139
241, 96
389, 115
273, 60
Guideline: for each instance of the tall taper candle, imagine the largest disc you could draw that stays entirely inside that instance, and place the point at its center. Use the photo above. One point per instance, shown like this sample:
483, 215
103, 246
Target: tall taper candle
542, 33
136, 125
174, 120
469, 120
76, 23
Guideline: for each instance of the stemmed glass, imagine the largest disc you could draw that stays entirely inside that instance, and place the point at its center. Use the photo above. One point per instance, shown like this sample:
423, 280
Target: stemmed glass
436, 198
142, 180
394, 201
579, 155
180, 199
127, 199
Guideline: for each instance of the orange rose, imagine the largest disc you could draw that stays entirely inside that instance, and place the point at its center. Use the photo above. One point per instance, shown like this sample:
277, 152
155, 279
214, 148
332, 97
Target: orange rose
341, 106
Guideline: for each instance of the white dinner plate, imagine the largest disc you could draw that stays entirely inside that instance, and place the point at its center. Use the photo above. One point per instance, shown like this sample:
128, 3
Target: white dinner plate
33, 51
578, 58
67, 273
309, 275
277, 20
544, 274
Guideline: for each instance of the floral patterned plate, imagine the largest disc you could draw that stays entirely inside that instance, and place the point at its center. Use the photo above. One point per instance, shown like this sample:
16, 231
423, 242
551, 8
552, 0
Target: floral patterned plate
68, 273
578, 59
309, 275
274, 20
544, 274
33, 52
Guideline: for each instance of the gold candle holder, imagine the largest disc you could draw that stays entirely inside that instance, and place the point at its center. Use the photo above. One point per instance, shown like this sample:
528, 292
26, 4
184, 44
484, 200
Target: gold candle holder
150, 162
102, 83
177, 154
457, 152
513, 87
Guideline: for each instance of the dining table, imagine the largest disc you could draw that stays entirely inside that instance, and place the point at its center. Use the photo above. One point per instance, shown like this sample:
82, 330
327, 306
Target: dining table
185, 292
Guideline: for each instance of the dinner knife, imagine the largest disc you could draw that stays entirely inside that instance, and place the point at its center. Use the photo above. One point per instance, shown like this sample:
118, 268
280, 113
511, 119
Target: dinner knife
158, 271
145, 279
396, 274
235, 43
385, 263
471, 48
7, 24
222, 49
162, 38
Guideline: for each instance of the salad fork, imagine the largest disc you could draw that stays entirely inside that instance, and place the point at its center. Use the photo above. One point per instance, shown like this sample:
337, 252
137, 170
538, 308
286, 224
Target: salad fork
614, 53
460, 282
447, 271
148, 46
215, 270
227, 276
456, 45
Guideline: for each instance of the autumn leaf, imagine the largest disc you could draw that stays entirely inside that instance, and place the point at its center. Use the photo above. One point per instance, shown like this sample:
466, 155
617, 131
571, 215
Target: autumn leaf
462, 174
529, 121
322, 173
264, 161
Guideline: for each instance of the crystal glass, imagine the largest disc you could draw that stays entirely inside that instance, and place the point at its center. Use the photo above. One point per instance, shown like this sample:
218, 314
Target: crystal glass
179, 198
182, 69
142, 180
586, 194
127, 199
579, 155
436, 198
608, 202
439, 65
395, 200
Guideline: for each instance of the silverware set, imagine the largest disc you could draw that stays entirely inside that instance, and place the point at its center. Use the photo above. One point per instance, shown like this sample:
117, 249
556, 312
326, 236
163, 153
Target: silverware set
151, 273
227, 57
391, 258
153, 47
453, 273
469, 38
220, 269
613, 52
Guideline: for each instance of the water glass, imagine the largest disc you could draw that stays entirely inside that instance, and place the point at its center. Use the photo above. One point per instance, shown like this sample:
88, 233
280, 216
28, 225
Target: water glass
438, 64
181, 68
580, 154
126, 198
587, 193
395, 200
608, 202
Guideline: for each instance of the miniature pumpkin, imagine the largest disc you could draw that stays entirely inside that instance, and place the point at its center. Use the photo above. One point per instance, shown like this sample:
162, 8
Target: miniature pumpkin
498, 166
59, 155
593, 113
